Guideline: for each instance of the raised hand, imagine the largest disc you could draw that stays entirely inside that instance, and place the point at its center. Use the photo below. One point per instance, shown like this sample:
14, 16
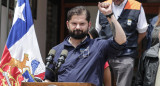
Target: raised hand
105, 8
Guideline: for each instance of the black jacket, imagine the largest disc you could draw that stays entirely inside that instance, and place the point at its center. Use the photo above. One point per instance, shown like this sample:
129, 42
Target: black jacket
147, 68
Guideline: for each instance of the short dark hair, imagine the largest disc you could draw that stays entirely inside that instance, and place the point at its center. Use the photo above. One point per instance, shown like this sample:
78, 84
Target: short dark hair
78, 10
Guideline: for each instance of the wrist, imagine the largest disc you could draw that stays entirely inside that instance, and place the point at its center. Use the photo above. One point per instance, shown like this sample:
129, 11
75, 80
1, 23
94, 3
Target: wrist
109, 16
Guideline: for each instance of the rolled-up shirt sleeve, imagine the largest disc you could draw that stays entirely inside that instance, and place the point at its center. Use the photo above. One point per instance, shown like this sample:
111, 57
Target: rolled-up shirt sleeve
142, 24
110, 48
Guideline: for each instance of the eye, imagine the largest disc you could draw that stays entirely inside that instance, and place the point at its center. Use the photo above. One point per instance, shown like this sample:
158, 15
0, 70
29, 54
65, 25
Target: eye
82, 24
74, 24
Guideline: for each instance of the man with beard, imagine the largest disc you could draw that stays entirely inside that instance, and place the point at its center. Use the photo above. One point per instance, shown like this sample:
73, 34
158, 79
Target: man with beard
86, 57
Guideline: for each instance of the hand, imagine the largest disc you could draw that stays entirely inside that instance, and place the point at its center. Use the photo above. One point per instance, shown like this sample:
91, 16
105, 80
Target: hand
105, 8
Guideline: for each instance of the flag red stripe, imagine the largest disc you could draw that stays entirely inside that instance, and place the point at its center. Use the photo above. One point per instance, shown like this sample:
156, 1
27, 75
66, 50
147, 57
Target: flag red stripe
6, 57
41, 75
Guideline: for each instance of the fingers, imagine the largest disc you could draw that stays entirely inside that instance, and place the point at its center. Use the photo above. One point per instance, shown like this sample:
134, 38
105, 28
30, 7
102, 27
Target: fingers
103, 4
105, 8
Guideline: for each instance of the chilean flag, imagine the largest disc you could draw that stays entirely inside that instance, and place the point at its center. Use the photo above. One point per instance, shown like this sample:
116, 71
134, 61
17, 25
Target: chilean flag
21, 59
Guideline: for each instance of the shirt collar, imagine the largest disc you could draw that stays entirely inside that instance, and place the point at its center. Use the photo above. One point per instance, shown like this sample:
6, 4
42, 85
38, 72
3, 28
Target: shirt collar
67, 43
69, 40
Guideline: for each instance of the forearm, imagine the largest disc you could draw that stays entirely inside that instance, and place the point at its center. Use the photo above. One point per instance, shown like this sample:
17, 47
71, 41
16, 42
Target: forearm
118, 33
141, 36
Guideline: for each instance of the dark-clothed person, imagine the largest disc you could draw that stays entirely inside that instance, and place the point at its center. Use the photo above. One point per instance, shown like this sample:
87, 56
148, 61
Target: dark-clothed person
86, 57
148, 68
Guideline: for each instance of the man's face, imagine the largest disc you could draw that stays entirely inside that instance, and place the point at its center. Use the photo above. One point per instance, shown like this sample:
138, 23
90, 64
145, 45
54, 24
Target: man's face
117, 2
78, 26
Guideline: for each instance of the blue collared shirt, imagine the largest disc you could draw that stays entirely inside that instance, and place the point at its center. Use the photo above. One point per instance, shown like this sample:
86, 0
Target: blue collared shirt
85, 63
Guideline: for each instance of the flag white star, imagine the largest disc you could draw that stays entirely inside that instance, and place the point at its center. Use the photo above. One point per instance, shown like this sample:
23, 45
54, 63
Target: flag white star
25, 79
18, 13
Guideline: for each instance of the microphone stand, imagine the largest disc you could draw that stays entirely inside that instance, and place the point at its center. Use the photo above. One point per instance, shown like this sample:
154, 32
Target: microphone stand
61, 60
50, 60
54, 73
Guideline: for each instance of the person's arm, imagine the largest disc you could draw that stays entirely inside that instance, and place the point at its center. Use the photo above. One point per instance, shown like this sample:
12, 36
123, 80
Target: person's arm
142, 25
107, 75
141, 36
118, 33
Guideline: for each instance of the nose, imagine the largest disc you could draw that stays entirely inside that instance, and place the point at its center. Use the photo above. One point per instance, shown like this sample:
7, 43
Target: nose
77, 26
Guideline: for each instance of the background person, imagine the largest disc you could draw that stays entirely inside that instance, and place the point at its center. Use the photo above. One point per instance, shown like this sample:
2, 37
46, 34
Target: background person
157, 83
148, 65
131, 16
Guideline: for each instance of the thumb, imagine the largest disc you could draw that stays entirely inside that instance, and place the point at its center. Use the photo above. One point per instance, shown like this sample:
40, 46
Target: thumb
99, 4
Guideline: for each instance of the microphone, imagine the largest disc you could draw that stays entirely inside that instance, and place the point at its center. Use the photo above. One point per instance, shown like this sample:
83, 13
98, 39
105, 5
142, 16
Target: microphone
50, 57
62, 58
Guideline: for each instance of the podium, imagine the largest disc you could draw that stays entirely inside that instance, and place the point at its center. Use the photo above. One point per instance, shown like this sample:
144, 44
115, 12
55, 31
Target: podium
56, 84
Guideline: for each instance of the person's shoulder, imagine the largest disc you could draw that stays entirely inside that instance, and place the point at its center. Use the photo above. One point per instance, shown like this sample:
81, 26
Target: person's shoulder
134, 1
101, 40
134, 4
153, 51
153, 20
60, 45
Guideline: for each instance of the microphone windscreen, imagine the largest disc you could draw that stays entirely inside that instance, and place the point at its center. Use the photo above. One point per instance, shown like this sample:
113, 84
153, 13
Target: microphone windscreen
64, 53
52, 52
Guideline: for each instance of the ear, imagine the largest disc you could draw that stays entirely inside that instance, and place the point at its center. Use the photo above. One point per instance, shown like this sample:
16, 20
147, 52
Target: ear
67, 23
89, 25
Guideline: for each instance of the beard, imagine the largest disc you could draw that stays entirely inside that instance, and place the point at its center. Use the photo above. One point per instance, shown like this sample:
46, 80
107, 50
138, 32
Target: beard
78, 34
